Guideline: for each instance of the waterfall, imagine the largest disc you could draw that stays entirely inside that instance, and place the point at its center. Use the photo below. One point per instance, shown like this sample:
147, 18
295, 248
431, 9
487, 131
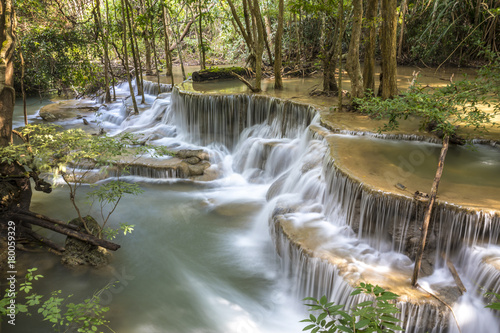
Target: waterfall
282, 141
206, 119
330, 230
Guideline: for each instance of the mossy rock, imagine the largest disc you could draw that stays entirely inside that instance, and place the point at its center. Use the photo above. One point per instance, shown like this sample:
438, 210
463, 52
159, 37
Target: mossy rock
82, 253
216, 73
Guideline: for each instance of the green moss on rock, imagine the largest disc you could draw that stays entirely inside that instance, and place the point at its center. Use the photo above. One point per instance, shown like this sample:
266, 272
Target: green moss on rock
217, 73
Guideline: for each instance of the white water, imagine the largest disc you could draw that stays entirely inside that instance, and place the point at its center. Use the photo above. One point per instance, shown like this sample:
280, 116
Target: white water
203, 255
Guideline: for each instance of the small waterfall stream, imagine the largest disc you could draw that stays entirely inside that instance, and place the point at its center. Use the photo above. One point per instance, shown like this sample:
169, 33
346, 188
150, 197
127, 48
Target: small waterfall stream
328, 229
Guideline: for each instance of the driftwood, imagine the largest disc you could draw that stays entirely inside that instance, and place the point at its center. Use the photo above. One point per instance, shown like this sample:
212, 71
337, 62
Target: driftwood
454, 272
63, 228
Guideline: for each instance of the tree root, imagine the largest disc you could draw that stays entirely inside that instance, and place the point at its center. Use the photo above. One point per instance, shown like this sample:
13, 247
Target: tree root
446, 304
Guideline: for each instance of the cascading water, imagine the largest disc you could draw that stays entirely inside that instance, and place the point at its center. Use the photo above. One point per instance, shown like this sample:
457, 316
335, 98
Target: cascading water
329, 230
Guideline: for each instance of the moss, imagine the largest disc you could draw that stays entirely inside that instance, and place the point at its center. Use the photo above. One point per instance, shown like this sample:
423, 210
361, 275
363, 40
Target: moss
216, 73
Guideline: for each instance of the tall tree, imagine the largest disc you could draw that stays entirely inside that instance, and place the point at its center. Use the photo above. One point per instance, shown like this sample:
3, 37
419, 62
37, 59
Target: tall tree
135, 51
330, 51
370, 44
253, 34
200, 36
278, 82
259, 44
168, 53
7, 93
388, 37
105, 47
352, 64
125, 56
339, 46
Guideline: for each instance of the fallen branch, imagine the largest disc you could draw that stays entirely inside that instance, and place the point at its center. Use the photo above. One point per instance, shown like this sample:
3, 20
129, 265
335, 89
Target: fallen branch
49, 219
246, 82
63, 229
44, 240
454, 272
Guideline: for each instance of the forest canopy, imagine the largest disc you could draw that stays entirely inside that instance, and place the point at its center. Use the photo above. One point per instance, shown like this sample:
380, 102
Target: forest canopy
68, 45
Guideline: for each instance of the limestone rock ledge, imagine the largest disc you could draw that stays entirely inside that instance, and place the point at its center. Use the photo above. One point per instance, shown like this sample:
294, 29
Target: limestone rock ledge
67, 110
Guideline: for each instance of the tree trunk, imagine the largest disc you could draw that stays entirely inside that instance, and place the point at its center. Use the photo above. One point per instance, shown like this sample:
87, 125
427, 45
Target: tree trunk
330, 54
428, 210
104, 39
388, 48
352, 64
110, 67
404, 8
125, 56
266, 42
278, 82
267, 23
7, 93
259, 44
200, 38
147, 47
370, 43
339, 49
168, 53
23, 92
155, 55
135, 53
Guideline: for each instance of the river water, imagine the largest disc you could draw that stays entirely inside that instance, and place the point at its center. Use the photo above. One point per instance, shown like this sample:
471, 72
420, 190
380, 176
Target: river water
201, 257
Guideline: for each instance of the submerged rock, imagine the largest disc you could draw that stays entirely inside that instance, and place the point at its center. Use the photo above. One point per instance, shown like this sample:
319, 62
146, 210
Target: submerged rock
82, 253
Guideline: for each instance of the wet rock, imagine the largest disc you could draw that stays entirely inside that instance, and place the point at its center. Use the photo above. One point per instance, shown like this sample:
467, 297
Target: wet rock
66, 110
198, 169
186, 153
81, 253
192, 160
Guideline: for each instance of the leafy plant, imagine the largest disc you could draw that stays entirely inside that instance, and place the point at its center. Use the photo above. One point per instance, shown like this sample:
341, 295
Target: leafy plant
494, 305
367, 316
84, 317
73, 155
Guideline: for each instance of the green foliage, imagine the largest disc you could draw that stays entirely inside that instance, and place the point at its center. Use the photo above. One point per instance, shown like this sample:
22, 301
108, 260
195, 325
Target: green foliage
444, 109
84, 317
367, 316
444, 28
109, 195
494, 305
73, 154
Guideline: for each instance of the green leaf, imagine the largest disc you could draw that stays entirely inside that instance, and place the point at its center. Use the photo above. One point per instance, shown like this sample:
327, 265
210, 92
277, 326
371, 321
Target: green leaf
308, 327
362, 323
345, 329
366, 303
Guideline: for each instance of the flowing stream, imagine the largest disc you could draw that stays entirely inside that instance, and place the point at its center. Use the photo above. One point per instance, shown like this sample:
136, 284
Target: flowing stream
211, 256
